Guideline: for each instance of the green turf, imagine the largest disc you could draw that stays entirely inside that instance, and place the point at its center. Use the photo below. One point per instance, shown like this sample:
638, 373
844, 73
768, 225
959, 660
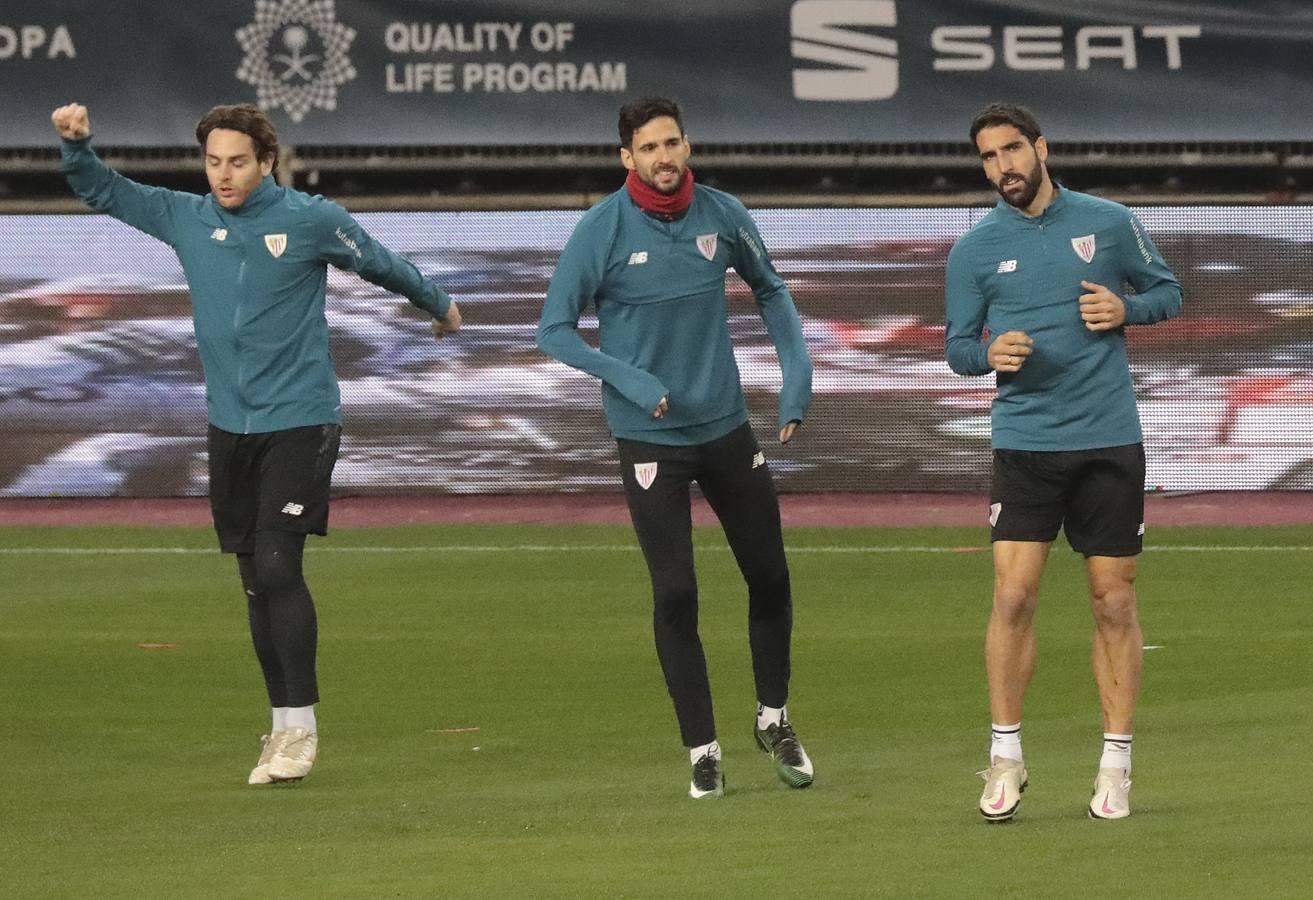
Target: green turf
125, 768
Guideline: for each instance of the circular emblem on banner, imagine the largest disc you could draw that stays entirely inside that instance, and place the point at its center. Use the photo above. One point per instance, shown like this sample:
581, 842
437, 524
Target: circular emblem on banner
296, 55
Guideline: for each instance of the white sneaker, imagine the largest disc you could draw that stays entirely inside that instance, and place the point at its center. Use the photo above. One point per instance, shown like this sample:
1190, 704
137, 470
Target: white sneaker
1112, 795
271, 742
1004, 783
293, 759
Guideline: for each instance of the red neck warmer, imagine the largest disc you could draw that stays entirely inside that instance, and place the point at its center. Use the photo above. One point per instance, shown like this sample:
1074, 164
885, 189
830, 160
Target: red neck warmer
652, 201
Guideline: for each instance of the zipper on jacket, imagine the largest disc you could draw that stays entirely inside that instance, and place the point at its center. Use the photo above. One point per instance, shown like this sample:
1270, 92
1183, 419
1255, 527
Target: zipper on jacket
241, 360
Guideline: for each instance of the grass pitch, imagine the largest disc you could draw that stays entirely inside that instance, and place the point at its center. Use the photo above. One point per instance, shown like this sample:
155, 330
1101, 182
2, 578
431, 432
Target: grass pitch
125, 767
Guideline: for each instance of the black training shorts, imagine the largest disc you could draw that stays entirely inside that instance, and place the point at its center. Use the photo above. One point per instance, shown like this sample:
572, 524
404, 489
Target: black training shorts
1096, 496
275, 481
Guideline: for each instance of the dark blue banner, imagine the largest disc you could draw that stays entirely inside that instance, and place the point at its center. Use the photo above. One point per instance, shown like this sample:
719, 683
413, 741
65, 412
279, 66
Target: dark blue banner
436, 72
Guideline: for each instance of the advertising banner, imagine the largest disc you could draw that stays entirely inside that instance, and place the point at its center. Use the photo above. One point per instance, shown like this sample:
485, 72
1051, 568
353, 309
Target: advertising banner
509, 72
101, 390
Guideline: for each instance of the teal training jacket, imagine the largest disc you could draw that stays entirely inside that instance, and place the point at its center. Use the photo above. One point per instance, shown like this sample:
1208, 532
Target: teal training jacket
659, 290
1012, 272
257, 276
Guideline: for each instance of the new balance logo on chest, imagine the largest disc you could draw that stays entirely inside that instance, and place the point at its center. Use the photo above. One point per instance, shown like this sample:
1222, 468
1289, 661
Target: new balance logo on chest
1007, 265
638, 258
219, 234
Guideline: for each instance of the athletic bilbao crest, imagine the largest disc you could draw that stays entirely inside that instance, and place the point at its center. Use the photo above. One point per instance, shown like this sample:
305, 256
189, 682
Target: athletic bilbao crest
1084, 247
276, 243
707, 245
645, 474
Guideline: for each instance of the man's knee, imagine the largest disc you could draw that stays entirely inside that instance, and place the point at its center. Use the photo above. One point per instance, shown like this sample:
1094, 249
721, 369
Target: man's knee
1015, 602
769, 593
278, 564
1112, 598
674, 598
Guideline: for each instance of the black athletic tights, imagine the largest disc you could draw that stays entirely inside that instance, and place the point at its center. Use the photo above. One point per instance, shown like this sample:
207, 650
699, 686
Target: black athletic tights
738, 486
283, 624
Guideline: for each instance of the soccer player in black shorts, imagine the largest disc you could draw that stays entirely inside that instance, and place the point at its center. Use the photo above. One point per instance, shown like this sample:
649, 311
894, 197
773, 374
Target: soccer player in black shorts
256, 256
1045, 275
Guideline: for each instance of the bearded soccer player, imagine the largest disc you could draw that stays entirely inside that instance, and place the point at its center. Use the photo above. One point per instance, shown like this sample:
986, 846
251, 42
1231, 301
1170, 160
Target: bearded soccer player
255, 257
1044, 274
651, 259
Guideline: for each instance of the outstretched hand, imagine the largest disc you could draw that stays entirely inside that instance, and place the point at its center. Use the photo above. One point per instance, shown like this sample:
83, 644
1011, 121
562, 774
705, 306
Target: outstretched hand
72, 122
448, 324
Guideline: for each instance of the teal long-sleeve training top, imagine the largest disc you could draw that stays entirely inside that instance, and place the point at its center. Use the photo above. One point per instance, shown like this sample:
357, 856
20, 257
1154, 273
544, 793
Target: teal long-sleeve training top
659, 290
257, 275
1012, 272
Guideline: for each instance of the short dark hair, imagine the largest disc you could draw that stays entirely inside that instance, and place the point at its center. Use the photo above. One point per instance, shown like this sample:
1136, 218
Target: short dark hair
1018, 117
250, 120
635, 115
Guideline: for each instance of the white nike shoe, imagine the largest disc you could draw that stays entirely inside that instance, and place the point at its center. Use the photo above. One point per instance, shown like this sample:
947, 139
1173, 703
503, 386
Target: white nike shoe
1112, 795
292, 760
1004, 783
272, 743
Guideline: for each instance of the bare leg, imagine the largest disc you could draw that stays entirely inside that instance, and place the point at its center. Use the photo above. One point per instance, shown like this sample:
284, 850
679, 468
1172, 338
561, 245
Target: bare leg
1118, 641
1010, 640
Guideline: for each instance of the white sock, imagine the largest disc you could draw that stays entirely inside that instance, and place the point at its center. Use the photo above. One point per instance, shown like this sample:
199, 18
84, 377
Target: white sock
301, 717
1005, 742
696, 753
1116, 752
280, 719
770, 715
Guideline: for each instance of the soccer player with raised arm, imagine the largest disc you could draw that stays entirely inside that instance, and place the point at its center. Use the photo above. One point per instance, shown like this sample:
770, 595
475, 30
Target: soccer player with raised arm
651, 259
1044, 276
255, 257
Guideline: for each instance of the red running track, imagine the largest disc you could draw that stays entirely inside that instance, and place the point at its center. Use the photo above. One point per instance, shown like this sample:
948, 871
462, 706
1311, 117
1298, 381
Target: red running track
1240, 508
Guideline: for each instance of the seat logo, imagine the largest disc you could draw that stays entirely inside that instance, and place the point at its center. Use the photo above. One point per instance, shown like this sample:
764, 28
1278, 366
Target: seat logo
276, 243
827, 31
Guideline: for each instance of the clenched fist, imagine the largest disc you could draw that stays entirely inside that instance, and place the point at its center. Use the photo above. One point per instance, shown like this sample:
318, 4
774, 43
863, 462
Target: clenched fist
72, 122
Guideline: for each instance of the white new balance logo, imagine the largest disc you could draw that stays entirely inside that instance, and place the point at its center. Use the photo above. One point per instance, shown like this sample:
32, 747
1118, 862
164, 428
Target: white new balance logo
1007, 265
834, 32
758, 460
219, 234
293, 509
637, 259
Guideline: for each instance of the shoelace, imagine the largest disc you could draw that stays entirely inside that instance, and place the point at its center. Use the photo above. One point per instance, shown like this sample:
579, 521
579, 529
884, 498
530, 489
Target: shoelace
270, 743
298, 749
784, 744
705, 773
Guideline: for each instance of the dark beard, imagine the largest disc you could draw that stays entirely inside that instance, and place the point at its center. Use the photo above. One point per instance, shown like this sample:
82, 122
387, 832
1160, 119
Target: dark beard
1027, 196
673, 190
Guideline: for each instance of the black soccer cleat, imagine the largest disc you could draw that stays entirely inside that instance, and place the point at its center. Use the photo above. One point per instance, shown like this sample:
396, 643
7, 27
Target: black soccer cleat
791, 761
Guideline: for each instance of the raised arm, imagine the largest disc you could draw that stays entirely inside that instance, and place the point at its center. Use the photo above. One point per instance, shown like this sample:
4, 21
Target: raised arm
153, 210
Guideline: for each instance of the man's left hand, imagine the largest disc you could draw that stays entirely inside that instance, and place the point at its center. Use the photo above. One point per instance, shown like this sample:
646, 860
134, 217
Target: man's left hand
786, 433
1101, 309
448, 324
